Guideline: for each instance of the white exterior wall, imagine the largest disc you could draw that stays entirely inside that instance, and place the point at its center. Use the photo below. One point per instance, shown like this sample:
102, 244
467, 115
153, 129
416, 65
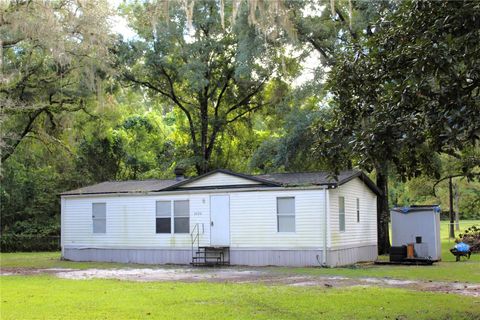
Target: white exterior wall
253, 221
219, 179
356, 234
426, 224
130, 222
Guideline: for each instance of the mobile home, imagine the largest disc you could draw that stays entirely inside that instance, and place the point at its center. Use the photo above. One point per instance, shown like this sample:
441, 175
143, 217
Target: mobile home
223, 217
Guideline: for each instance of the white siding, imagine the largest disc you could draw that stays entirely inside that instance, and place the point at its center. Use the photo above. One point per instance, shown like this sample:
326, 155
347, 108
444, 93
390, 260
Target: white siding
130, 222
219, 179
356, 233
253, 221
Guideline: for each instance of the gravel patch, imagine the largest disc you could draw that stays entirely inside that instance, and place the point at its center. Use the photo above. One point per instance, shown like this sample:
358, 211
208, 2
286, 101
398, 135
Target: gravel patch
237, 275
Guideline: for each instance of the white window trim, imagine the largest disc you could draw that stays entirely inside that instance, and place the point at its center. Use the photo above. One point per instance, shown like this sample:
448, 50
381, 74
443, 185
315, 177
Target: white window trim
358, 210
93, 219
286, 215
165, 217
344, 215
172, 217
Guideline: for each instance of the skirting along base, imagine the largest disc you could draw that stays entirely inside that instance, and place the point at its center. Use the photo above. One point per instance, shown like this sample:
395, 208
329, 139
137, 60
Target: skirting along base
249, 257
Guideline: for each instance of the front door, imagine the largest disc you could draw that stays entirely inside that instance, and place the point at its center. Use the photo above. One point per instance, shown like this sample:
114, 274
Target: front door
219, 220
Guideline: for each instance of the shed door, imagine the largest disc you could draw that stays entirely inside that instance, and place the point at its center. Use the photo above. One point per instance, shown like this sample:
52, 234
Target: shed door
219, 220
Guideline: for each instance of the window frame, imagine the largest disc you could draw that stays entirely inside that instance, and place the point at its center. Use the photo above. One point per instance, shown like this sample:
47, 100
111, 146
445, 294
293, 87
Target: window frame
187, 216
294, 215
341, 214
95, 219
169, 217
358, 210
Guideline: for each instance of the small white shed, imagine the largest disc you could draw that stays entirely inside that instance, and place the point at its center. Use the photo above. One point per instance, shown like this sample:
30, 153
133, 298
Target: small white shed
286, 219
409, 223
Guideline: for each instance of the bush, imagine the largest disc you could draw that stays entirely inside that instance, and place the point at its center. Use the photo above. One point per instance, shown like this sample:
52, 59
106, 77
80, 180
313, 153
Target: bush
16, 243
472, 238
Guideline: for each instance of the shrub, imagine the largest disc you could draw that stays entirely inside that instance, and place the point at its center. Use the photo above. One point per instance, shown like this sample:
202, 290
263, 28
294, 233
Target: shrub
17, 243
471, 236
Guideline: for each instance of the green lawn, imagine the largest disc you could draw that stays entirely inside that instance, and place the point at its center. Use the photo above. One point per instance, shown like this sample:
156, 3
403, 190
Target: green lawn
446, 270
45, 260
45, 297
48, 297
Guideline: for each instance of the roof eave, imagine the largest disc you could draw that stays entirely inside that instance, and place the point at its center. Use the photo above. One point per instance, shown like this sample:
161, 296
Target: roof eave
365, 179
240, 175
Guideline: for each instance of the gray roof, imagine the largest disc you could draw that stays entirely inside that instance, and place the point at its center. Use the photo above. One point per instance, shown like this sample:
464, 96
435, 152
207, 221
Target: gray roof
308, 178
271, 180
130, 186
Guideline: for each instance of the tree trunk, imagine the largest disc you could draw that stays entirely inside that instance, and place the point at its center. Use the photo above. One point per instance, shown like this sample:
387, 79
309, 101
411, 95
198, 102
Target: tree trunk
450, 198
457, 212
202, 160
383, 213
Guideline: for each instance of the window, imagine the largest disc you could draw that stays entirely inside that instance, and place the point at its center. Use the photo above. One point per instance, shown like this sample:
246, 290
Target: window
181, 216
163, 217
286, 214
99, 217
358, 210
341, 213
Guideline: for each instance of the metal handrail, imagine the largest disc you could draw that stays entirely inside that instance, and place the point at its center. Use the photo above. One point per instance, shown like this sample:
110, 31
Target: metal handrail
195, 237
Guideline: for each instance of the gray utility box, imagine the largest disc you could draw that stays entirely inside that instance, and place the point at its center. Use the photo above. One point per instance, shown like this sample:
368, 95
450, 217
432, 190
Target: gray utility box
409, 223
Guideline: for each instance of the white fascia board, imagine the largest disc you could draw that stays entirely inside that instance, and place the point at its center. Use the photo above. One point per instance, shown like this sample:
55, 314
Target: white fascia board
199, 191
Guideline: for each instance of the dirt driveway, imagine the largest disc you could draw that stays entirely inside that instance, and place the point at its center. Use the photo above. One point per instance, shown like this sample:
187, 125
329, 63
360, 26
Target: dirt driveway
250, 275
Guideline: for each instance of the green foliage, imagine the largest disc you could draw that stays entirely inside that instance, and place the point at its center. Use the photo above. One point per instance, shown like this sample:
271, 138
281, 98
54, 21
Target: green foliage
213, 76
32, 179
53, 58
471, 236
100, 157
27, 243
419, 190
409, 89
290, 149
402, 93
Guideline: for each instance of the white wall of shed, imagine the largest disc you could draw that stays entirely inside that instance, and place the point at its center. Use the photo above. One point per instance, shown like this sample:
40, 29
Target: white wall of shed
426, 224
356, 233
62, 224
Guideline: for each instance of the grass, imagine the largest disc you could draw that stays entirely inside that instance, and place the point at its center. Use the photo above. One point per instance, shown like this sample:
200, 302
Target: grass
446, 270
46, 297
44, 260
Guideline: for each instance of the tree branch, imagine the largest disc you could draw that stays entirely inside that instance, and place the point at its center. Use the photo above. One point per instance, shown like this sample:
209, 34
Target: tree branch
25, 131
342, 18
9, 43
171, 97
245, 112
319, 49
247, 98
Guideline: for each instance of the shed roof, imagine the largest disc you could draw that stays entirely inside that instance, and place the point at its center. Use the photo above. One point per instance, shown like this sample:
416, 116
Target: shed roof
294, 179
418, 208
